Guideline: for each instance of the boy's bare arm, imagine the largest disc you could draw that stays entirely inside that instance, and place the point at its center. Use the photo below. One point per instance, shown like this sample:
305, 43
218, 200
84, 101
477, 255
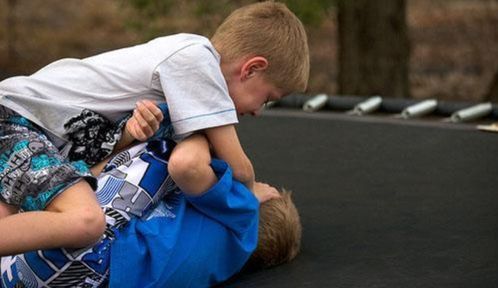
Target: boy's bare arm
97, 168
189, 165
226, 146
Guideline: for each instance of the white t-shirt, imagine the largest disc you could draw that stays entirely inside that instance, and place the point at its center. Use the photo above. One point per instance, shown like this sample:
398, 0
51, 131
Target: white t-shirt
182, 69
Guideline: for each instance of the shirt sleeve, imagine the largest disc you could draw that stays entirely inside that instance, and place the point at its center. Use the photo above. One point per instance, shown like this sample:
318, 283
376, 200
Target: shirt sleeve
195, 90
228, 201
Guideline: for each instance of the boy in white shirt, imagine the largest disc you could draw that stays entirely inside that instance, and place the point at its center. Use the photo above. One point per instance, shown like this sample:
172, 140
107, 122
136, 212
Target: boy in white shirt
74, 110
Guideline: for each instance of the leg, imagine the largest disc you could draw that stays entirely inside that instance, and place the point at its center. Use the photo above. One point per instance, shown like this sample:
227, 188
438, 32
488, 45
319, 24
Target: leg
37, 178
189, 165
6, 210
73, 220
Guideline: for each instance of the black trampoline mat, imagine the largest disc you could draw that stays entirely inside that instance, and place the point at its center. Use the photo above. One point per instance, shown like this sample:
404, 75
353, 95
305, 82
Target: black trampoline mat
383, 202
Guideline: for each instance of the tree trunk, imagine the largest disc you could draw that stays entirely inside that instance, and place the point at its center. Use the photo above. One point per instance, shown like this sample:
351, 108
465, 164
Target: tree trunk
11, 32
373, 48
492, 94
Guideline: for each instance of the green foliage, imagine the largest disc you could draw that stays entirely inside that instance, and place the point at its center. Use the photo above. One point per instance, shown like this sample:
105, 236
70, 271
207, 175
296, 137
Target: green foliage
311, 12
152, 8
209, 7
156, 17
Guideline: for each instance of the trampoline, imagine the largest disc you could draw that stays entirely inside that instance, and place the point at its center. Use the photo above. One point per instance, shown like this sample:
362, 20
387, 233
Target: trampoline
384, 202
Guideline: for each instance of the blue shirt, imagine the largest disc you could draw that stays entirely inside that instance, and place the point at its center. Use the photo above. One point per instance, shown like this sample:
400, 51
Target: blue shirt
189, 241
158, 237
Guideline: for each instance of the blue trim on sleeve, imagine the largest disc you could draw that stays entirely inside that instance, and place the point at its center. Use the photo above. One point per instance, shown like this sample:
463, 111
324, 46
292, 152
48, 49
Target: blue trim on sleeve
204, 115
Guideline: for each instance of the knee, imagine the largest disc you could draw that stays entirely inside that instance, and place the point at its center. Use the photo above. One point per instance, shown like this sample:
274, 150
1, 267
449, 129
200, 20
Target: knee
187, 165
89, 226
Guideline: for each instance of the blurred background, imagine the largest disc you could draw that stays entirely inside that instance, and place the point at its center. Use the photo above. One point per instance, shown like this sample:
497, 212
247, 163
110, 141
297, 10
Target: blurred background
443, 49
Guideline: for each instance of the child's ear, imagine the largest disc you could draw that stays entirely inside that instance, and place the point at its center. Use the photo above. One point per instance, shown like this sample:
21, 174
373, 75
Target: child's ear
253, 66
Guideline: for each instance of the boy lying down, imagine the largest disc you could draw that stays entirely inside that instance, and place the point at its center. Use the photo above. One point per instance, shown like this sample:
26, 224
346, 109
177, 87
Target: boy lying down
159, 236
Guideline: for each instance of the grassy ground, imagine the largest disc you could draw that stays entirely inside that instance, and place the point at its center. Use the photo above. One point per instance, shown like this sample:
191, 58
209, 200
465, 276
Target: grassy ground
454, 43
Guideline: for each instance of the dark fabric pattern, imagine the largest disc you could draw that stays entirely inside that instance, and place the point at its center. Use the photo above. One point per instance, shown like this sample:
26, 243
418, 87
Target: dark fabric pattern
93, 136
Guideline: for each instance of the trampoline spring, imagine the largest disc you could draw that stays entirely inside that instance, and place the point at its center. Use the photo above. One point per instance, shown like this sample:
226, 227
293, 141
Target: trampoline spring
419, 109
367, 106
315, 103
472, 113
269, 104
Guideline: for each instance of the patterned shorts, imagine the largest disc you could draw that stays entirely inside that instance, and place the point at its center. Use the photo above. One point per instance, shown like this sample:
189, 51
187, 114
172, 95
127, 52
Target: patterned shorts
32, 171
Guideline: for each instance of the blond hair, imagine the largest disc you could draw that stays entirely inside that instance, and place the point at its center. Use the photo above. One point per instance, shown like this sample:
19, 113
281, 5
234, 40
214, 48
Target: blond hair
268, 29
279, 233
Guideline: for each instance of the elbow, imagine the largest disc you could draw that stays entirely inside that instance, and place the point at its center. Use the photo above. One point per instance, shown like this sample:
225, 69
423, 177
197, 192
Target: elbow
184, 168
190, 173
88, 227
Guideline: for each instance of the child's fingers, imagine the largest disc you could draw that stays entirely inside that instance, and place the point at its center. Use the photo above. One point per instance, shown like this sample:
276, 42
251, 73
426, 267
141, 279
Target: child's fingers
265, 192
154, 109
142, 124
148, 114
146, 120
151, 112
271, 191
138, 133
134, 130
274, 194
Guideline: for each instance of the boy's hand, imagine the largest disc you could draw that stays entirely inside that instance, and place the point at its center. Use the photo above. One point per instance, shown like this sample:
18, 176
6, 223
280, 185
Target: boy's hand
265, 192
145, 120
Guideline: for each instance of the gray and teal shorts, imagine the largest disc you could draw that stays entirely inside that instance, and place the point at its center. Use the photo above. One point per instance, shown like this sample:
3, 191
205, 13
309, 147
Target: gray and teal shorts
32, 170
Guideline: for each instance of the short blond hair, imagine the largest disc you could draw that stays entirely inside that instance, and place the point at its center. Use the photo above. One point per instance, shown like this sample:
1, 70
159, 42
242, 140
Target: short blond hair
279, 233
268, 29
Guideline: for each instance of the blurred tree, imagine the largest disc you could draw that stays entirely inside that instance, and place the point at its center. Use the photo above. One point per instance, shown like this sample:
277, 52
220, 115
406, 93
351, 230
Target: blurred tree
152, 8
162, 17
311, 12
209, 14
11, 31
492, 94
373, 48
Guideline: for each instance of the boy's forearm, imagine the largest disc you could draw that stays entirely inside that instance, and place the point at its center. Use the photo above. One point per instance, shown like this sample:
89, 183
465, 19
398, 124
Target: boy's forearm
125, 141
226, 146
246, 176
97, 168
